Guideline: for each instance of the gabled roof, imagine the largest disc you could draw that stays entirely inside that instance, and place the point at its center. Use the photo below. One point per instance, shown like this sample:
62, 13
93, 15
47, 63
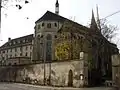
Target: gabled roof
54, 17
51, 16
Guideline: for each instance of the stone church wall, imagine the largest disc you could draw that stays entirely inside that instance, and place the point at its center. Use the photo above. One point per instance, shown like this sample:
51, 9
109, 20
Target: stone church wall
35, 73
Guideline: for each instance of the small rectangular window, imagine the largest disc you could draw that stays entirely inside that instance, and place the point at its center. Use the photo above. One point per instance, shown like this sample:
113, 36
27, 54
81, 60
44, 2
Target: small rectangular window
3, 51
10, 56
49, 25
20, 54
6, 56
3, 58
26, 47
10, 50
30, 54
14, 42
20, 48
30, 47
20, 41
26, 54
15, 49
38, 26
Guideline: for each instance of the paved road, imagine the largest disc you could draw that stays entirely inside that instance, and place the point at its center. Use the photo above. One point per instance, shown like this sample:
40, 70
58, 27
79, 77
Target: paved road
16, 86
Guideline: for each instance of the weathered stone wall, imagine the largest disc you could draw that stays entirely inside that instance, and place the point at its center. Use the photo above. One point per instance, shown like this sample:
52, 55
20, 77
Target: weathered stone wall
116, 69
35, 73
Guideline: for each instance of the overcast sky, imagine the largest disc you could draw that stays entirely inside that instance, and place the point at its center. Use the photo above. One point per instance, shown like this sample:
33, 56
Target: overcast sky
15, 23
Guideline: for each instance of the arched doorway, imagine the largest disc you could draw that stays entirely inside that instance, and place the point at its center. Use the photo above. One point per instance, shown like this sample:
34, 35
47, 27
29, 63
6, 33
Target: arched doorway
70, 78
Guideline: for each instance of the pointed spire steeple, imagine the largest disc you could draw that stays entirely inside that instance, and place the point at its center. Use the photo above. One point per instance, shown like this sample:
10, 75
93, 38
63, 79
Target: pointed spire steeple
57, 7
57, 4
98, 20
93, 25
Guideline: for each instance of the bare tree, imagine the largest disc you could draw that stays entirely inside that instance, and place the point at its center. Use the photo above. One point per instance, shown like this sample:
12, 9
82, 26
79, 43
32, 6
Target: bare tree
108, 30
7, 3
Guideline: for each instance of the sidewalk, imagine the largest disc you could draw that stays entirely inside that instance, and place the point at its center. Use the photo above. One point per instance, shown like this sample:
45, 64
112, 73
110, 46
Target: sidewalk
49, 87
63, 88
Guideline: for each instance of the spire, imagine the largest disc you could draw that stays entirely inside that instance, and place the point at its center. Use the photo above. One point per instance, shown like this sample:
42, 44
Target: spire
57, 4
98, 20
57, 7
93, 25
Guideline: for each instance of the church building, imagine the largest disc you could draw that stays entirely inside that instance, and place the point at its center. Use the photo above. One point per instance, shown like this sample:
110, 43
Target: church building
58, 39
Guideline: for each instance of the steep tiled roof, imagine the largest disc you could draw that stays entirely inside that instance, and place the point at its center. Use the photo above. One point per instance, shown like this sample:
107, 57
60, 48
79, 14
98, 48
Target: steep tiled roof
28, 39
51, 16
55, 17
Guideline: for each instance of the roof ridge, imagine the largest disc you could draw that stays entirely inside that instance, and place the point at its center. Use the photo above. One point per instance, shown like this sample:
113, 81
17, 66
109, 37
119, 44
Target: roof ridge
22, 37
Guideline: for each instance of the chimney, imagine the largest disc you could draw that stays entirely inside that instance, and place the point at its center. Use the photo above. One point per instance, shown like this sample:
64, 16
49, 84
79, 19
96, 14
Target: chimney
9, 39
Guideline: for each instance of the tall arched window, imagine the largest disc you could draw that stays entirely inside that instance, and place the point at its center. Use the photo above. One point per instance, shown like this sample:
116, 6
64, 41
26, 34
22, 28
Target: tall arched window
49, 37
48, 47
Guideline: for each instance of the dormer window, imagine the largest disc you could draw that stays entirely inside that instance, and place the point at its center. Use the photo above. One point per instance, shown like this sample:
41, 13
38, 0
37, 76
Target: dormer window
24, 40
14, 42
9, 43
49, 25
55, 24
20, 41
42, 24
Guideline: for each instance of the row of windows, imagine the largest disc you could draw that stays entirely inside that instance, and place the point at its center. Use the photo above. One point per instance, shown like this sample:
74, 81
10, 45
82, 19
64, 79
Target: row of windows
48, 25
47, 37
21, 48
26, 54
19, 41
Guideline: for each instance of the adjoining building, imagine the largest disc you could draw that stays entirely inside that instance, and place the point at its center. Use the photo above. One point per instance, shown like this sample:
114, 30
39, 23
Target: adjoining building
116, 69
59, 39
16, 50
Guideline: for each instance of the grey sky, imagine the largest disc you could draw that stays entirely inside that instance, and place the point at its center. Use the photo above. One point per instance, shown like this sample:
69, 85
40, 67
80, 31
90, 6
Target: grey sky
15, 24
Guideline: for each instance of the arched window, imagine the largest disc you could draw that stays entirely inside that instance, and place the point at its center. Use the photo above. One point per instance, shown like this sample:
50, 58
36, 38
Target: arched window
38, 37
55, 24
49, 37
42, 24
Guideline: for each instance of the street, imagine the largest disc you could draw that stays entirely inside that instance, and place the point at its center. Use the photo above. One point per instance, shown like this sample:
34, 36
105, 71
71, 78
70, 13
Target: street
17, 86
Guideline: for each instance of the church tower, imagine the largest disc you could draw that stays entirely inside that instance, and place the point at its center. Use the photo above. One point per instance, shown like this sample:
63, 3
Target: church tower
57, 7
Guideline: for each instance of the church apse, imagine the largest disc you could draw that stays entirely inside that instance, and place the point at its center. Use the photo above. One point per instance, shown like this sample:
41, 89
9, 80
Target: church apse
68, 47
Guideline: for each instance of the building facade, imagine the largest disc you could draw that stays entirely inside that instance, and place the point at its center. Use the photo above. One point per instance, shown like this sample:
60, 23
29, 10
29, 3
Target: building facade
116, 69
15, 50
59, 39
